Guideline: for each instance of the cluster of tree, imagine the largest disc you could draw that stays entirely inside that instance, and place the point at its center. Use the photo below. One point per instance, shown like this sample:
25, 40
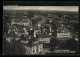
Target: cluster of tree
70, 44
54, 42
13, 48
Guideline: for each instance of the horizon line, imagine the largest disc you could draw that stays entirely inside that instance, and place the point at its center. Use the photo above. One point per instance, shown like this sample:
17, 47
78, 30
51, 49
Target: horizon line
48, 8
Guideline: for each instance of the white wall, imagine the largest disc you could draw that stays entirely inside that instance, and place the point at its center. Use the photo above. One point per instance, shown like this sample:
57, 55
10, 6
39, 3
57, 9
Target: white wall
60, 35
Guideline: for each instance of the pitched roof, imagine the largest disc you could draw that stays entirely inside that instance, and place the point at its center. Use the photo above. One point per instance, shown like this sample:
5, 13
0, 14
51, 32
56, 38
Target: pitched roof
62, 29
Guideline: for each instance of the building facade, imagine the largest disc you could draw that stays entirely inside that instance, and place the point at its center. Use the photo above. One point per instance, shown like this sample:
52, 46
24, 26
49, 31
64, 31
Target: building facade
34, 49
25, 22
63, 32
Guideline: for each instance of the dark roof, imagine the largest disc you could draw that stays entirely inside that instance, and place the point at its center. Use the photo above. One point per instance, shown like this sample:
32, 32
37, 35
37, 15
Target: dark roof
16, 20
36, 44
76, 35
10, 35
31, 27
49, 25
62, 29
21, 31
44, 36
31, 44
25, 20
26, 38
27, 28
36, 28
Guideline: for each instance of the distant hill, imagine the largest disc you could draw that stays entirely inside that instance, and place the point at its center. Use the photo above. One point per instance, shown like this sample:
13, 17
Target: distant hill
41, 12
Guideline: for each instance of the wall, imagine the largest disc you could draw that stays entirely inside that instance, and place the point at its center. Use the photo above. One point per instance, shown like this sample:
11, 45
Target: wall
61, 35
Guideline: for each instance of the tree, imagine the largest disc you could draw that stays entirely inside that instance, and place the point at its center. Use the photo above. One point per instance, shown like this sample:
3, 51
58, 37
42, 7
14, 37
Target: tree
13, 48
70, 44
54, 42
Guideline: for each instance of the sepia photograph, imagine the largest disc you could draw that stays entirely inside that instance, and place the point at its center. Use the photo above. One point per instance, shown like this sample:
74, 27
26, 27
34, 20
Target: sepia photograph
40, 30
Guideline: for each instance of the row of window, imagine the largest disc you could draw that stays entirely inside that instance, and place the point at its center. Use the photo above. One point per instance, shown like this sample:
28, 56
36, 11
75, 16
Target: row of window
64, 35
37, 49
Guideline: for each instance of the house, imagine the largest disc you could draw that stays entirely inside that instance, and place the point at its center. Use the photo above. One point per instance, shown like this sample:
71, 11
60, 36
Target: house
25, 39
45, 38
63, 32
33, 47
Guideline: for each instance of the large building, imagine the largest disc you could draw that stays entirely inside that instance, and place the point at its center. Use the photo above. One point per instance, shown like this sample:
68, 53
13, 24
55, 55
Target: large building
45, 39
25, 22
33, 47
63, 32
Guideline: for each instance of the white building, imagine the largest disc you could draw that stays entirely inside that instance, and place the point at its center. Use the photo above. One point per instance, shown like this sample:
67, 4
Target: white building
25, 22
63, 32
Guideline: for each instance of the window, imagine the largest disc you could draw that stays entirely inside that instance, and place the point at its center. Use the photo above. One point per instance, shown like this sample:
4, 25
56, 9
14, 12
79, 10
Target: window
34, 49
37, 49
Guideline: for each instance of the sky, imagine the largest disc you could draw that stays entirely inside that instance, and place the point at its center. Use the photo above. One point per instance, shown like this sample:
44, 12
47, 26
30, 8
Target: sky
57, 8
